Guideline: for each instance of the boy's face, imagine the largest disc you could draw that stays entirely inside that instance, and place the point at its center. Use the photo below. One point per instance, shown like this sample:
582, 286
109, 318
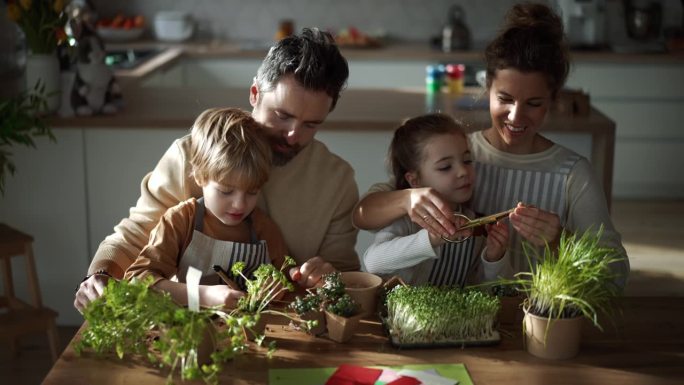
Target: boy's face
446, 166
291, 114
230, 204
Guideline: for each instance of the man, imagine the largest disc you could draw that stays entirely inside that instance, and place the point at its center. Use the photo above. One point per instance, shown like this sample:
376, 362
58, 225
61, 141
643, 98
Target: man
310, 193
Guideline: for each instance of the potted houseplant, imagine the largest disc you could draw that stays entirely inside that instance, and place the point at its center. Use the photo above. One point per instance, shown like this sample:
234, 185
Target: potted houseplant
20, 122
565, 285
342, 313
131, 318
440, 316
308, 308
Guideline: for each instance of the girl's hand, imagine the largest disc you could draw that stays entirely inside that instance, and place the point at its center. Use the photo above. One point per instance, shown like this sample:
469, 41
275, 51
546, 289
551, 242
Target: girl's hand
536, 225
428, 210
213, 295
311, 272
497, 241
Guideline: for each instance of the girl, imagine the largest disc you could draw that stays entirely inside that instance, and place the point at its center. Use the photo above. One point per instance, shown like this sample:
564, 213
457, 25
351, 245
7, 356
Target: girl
432, 151
230, 161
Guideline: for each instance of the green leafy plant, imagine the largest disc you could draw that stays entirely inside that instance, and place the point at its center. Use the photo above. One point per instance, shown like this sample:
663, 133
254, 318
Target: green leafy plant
433, 315
303, 305
268, 284
131, 318
332, 288
344, 306
20, 122
576, 279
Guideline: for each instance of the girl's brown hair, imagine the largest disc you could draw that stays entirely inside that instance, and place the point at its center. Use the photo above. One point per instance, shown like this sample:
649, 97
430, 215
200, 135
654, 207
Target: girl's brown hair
406, 149
531, 40
228, 146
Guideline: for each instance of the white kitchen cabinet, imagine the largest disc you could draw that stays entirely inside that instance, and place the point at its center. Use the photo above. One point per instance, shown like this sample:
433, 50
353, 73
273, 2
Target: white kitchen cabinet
46, 198
645, 101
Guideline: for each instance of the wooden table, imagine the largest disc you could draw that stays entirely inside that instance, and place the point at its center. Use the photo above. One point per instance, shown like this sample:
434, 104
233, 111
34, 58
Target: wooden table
645, 347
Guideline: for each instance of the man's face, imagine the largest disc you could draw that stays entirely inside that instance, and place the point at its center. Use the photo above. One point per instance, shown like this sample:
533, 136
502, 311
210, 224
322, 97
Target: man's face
291, 114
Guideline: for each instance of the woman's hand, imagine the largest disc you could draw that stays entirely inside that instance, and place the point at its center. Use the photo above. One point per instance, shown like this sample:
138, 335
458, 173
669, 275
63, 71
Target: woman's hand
536, 225
428, 210
497, 241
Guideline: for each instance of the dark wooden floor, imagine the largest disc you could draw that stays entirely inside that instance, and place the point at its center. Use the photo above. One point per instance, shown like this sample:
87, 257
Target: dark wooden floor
652, 232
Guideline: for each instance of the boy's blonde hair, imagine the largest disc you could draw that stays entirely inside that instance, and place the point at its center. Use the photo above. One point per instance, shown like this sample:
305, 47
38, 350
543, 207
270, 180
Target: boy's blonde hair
229, 147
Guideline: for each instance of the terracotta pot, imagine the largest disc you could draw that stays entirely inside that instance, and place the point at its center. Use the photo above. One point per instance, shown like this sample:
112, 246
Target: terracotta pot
363, 288
561, 341
341, 329
314, 315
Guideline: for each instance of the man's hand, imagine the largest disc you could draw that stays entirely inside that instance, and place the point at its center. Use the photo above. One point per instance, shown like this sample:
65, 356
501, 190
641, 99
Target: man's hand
311, 272
89, 290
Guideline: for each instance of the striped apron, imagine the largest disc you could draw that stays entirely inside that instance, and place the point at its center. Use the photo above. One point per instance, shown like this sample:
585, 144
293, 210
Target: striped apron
455, 262
204, 252
498, 188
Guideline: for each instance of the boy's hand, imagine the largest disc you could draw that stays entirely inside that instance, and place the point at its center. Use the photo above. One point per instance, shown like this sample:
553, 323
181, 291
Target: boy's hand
497, 241
311, 272
213, 295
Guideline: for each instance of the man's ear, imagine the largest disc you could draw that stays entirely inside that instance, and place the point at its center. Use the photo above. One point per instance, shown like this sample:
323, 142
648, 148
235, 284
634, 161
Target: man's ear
412, 179
254, 94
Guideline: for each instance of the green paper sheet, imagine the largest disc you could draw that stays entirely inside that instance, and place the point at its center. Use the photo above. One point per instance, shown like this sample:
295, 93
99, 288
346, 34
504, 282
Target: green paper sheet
318, 376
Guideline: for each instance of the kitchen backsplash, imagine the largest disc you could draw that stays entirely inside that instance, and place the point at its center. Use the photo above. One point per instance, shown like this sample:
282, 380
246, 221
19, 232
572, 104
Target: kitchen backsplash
409, 20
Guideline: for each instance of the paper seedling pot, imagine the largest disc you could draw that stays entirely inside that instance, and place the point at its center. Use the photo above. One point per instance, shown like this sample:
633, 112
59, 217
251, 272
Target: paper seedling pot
363, 287
341, 329
562, 338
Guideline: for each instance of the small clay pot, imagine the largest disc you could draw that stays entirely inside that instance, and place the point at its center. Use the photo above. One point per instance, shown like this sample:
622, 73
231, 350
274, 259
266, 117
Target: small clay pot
256, 330
363, 288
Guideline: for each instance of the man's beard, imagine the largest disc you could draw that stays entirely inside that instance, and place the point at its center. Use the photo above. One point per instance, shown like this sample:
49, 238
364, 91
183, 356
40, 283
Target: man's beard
281, 158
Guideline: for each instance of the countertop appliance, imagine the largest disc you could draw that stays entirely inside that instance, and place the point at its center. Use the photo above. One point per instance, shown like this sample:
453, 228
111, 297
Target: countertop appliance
584, 22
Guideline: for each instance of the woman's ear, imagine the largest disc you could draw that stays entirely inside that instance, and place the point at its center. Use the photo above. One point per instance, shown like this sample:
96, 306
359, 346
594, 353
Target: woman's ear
412, 179
254, 94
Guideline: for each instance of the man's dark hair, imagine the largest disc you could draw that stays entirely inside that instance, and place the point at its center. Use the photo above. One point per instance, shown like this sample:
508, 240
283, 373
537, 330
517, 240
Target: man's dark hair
314, 60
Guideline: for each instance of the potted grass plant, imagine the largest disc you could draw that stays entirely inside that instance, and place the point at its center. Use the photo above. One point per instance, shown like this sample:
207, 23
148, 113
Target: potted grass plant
133, 319
430, 316
565, 285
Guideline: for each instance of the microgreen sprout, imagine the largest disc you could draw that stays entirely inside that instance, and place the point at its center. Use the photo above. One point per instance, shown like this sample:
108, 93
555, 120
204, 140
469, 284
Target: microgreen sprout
268, 284
429, 315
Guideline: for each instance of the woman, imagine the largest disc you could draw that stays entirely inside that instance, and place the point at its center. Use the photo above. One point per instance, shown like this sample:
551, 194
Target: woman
527, 65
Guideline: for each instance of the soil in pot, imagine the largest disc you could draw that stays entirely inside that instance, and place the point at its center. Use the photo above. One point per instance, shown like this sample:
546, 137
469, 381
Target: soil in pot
560, 342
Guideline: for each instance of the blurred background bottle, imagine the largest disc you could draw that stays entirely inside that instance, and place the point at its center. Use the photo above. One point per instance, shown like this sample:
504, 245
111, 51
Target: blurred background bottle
454, 79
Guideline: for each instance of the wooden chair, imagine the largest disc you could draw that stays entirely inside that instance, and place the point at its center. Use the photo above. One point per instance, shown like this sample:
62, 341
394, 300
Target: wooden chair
18, 318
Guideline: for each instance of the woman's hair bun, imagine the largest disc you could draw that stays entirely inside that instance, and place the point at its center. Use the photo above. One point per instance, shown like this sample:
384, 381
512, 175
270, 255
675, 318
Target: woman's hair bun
537, 17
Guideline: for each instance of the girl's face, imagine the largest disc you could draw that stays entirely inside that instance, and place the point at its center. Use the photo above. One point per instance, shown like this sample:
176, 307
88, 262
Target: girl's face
230, 204
446, 166
518, 103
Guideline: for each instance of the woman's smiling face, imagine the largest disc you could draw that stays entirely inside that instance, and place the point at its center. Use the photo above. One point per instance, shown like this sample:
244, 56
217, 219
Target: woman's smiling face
518, 104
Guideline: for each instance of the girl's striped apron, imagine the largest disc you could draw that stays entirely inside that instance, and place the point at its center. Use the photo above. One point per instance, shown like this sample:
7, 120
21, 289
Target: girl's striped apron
204, 252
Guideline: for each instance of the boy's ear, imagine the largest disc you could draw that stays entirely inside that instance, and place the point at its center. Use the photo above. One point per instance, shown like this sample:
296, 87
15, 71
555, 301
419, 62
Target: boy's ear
412, 179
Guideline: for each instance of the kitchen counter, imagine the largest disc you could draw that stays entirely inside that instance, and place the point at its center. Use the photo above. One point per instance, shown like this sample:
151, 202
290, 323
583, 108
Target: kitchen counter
359, 110
644, 347
391, 51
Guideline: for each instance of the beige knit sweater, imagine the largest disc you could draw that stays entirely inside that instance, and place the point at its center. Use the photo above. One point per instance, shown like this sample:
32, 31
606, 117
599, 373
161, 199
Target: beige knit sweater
310, 198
